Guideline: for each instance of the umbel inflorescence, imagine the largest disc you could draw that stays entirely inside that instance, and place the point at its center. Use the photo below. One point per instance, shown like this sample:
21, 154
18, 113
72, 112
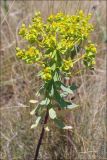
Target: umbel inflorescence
56, 45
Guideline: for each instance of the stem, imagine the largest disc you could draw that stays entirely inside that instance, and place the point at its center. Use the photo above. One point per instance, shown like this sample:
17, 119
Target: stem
41, 136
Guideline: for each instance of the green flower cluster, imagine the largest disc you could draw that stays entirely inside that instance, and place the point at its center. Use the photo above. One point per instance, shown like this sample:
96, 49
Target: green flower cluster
31, 55
54, 43
67, 64
89, 56
46, 73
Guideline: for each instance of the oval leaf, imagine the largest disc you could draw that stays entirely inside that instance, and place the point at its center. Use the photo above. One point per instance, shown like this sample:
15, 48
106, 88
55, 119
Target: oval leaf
52, 113
45, 102
33, 101
67, 127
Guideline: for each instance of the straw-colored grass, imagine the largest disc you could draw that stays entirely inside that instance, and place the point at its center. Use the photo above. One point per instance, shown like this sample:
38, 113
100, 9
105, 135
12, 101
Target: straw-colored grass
19, 84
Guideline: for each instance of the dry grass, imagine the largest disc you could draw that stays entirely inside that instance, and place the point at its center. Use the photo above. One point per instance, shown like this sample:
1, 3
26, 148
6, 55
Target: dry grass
19, 83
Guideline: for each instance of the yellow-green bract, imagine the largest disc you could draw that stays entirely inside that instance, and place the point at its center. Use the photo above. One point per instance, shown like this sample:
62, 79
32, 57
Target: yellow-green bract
54, 43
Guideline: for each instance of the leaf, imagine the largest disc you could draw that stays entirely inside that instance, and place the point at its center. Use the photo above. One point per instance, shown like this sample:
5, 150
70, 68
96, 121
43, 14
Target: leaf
59, 60
55, 77
53, 67
35, 110
67, 127
73, 87
52, 91
58, 84
48, 51
49, 88
41, 91
33, 101
64, 94
59, 123
45, 102
48, 85
52, 113
72, 106
53, 53
36, 123
66, 89
59, 99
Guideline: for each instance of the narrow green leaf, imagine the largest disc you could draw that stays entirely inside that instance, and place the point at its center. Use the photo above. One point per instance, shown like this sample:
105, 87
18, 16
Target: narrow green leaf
41, 91
55, 77
35, 110
53, 53
73, 87
60, 100
45, 102
58, 85
48, 85
36, 123
59, 60
64, 94
72, 106
66, 89
52, 91
53, 67
59, 123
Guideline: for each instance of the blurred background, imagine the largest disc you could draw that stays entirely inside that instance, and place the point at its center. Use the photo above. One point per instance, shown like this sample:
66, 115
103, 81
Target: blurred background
19, 83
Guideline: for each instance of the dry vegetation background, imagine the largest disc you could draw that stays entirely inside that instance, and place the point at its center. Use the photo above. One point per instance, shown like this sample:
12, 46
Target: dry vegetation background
87, 140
